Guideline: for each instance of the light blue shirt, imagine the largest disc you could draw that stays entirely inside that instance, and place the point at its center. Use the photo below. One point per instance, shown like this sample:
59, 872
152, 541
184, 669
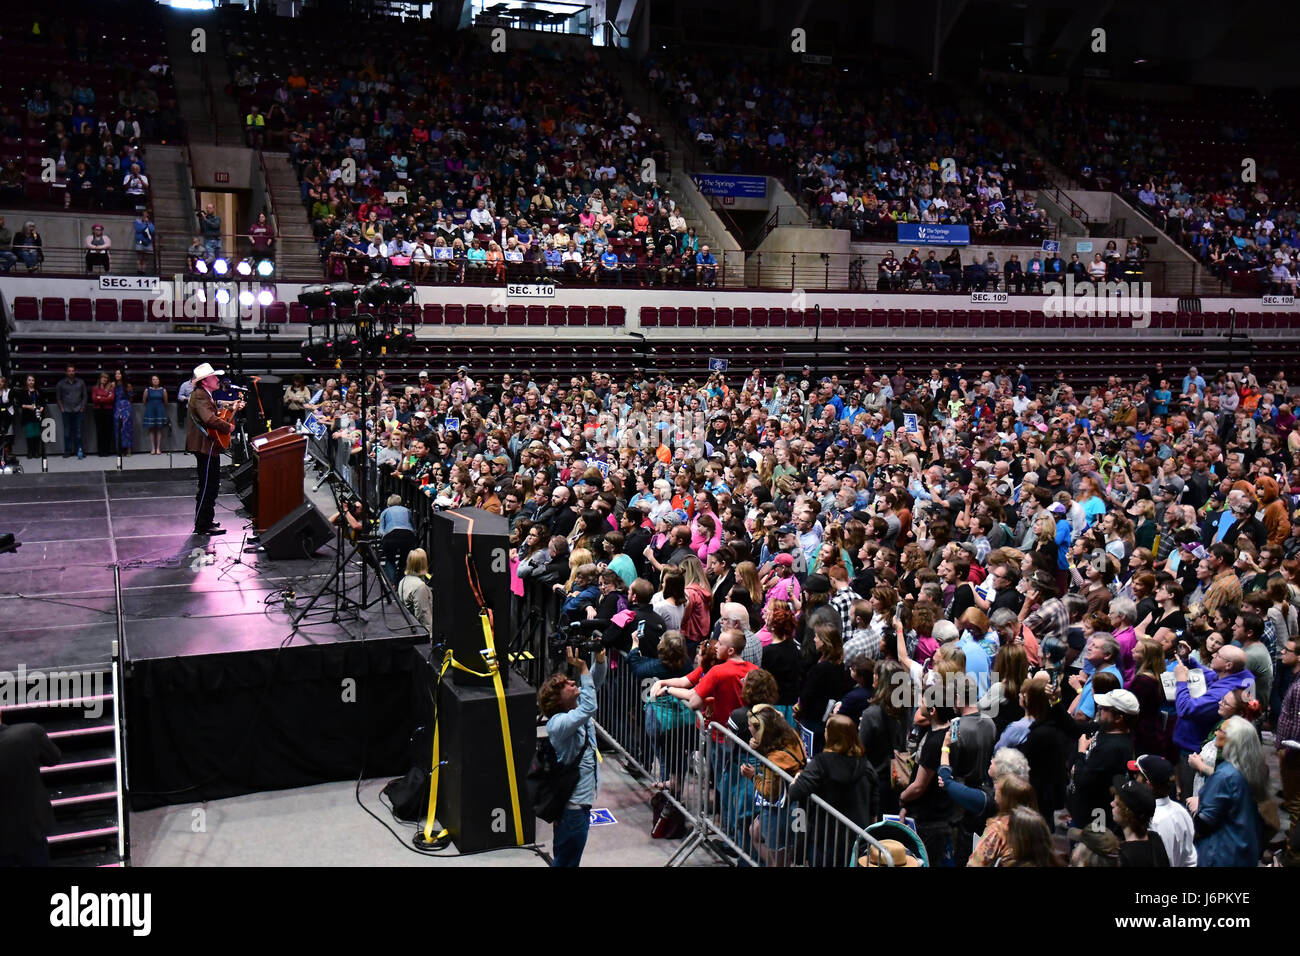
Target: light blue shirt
572, 731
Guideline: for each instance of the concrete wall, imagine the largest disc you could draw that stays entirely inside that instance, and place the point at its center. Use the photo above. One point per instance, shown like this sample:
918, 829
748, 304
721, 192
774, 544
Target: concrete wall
1094, 202
236, 161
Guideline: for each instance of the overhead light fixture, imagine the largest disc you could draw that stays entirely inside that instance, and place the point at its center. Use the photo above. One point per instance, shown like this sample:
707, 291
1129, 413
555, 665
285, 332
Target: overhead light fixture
222, 296
265, 297
200, 267
246, 298
220, 266
244, 267
265, 268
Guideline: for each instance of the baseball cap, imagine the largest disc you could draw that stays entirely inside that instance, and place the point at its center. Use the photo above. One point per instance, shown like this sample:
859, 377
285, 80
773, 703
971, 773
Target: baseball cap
787, 529
1135, 795
1122, 700
424, 375
817, 584
1154, 767
1058, 508
785, 559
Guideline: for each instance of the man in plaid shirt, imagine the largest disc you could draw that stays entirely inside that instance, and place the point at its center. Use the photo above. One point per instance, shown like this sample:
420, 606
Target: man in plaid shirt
843, 597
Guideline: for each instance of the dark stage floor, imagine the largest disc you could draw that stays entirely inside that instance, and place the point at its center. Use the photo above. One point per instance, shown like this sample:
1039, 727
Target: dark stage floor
56, 592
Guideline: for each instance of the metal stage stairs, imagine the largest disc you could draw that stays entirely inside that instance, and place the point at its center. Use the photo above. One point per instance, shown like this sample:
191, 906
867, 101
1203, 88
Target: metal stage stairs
87, 787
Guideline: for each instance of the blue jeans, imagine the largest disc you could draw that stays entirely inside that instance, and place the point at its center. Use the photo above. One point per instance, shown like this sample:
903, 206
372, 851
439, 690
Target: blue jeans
570, 836
213, 246
7, 260
71, 432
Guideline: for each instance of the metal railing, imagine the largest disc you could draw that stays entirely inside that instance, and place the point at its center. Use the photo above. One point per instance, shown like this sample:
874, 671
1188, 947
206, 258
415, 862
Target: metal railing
712, 778
1065, 202
50, 260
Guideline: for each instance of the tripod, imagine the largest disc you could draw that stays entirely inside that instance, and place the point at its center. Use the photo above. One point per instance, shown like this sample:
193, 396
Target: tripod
345, 606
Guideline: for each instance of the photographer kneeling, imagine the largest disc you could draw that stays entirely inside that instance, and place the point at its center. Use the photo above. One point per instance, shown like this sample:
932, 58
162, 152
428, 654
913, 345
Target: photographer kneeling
569, 707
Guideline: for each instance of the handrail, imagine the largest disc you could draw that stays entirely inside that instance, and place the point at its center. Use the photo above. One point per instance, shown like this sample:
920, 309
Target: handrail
1061, 199
119, 724
270, 206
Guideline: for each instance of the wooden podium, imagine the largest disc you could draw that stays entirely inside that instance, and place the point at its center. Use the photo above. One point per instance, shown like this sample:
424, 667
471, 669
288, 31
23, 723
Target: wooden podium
277, 487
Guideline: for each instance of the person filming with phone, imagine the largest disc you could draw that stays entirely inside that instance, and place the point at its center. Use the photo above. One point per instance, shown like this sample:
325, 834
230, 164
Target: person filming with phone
569, 706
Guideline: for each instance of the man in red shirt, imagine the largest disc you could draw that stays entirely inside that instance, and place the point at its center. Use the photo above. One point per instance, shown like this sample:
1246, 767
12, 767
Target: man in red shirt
716, 693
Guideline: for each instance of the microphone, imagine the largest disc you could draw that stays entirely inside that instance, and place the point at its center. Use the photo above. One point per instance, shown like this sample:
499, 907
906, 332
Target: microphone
237, 388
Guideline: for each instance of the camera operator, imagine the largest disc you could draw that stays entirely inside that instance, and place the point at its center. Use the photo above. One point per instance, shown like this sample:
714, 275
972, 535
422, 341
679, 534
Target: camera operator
569, 707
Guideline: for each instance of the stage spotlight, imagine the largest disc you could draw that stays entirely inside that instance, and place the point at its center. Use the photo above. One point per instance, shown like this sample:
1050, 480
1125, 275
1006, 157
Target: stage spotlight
246, 298
200, 295
344, 293
265, 268
222, 296
346, 345
265, 297
220, 266
200, 267
375, 292
317, 352
314, 296
244, 267
401, 292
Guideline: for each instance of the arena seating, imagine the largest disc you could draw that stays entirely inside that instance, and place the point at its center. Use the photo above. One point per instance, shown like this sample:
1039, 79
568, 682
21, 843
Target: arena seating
92, 56
802, 122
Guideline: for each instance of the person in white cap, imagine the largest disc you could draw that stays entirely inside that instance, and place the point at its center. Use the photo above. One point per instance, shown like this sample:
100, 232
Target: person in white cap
201, 440
1101, 756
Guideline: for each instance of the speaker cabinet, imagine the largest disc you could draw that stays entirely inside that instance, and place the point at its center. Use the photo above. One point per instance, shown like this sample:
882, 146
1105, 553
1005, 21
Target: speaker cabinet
474, 798
482, 537
298, 534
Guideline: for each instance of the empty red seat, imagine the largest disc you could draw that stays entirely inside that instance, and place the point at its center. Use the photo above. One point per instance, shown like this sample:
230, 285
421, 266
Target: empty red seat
476, 314
276, 313
453, 314
616, 315
741, 318
79, 310
649, 317
686, 317
576, 315
26, 309
516, 315
53, 308
106, 310
536, 315
596, 315
758, 318
298, 314
668, 317
555, 315
777, 318
133, 310
432, 314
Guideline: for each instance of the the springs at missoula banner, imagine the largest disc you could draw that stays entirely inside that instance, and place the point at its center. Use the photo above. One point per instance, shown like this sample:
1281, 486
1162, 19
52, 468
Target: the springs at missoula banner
735, 187
926, 234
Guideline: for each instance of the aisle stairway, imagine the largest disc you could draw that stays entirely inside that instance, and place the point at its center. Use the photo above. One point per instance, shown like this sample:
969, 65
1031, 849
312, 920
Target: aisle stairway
298, 257
86, 785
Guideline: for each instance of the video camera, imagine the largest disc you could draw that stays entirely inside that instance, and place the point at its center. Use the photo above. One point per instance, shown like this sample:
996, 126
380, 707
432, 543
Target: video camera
584, 636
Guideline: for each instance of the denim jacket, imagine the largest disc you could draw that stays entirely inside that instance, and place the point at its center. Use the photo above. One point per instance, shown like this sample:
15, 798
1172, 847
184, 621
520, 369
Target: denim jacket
572, 731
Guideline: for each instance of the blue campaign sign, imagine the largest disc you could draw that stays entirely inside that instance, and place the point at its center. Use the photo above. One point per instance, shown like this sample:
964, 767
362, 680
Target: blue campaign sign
603, 466
452, 425
928, 234
717, 365
1051, 245
315, 426
601, 817
725, 184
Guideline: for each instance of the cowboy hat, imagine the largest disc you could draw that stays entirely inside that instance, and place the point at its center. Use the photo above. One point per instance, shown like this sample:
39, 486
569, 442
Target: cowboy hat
203, 371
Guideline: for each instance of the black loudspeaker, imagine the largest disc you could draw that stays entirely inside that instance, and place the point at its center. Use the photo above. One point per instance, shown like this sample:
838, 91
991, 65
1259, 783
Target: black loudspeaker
244, 476
483, 538
264, 403
474, 794
298, 534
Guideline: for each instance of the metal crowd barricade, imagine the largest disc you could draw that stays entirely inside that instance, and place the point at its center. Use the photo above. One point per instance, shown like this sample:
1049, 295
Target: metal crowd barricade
761, 832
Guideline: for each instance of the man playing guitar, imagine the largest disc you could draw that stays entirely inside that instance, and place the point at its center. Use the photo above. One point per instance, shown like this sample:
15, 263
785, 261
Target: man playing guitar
208, 434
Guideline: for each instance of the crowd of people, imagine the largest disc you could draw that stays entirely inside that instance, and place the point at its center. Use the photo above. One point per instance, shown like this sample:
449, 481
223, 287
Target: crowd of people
860, 149
111, 402
1080, 605
1234, 226
952, 273
449, 163
92, 109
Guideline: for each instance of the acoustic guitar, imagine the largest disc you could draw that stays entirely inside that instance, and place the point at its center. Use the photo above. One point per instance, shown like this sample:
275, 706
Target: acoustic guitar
226, 412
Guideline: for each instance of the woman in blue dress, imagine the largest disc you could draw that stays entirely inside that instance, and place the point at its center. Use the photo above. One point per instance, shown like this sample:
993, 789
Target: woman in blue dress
155, 414
123, 414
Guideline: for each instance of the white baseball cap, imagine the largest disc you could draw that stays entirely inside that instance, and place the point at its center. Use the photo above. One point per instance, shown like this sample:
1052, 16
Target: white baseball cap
203, 371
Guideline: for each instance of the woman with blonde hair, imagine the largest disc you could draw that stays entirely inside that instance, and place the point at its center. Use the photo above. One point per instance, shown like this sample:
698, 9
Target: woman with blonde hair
696, 622
747, 577
775, 740
1009, 792
414, 592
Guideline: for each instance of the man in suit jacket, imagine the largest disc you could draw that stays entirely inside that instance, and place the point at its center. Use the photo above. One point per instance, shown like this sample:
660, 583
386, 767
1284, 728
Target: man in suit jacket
26, 817
200, 439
